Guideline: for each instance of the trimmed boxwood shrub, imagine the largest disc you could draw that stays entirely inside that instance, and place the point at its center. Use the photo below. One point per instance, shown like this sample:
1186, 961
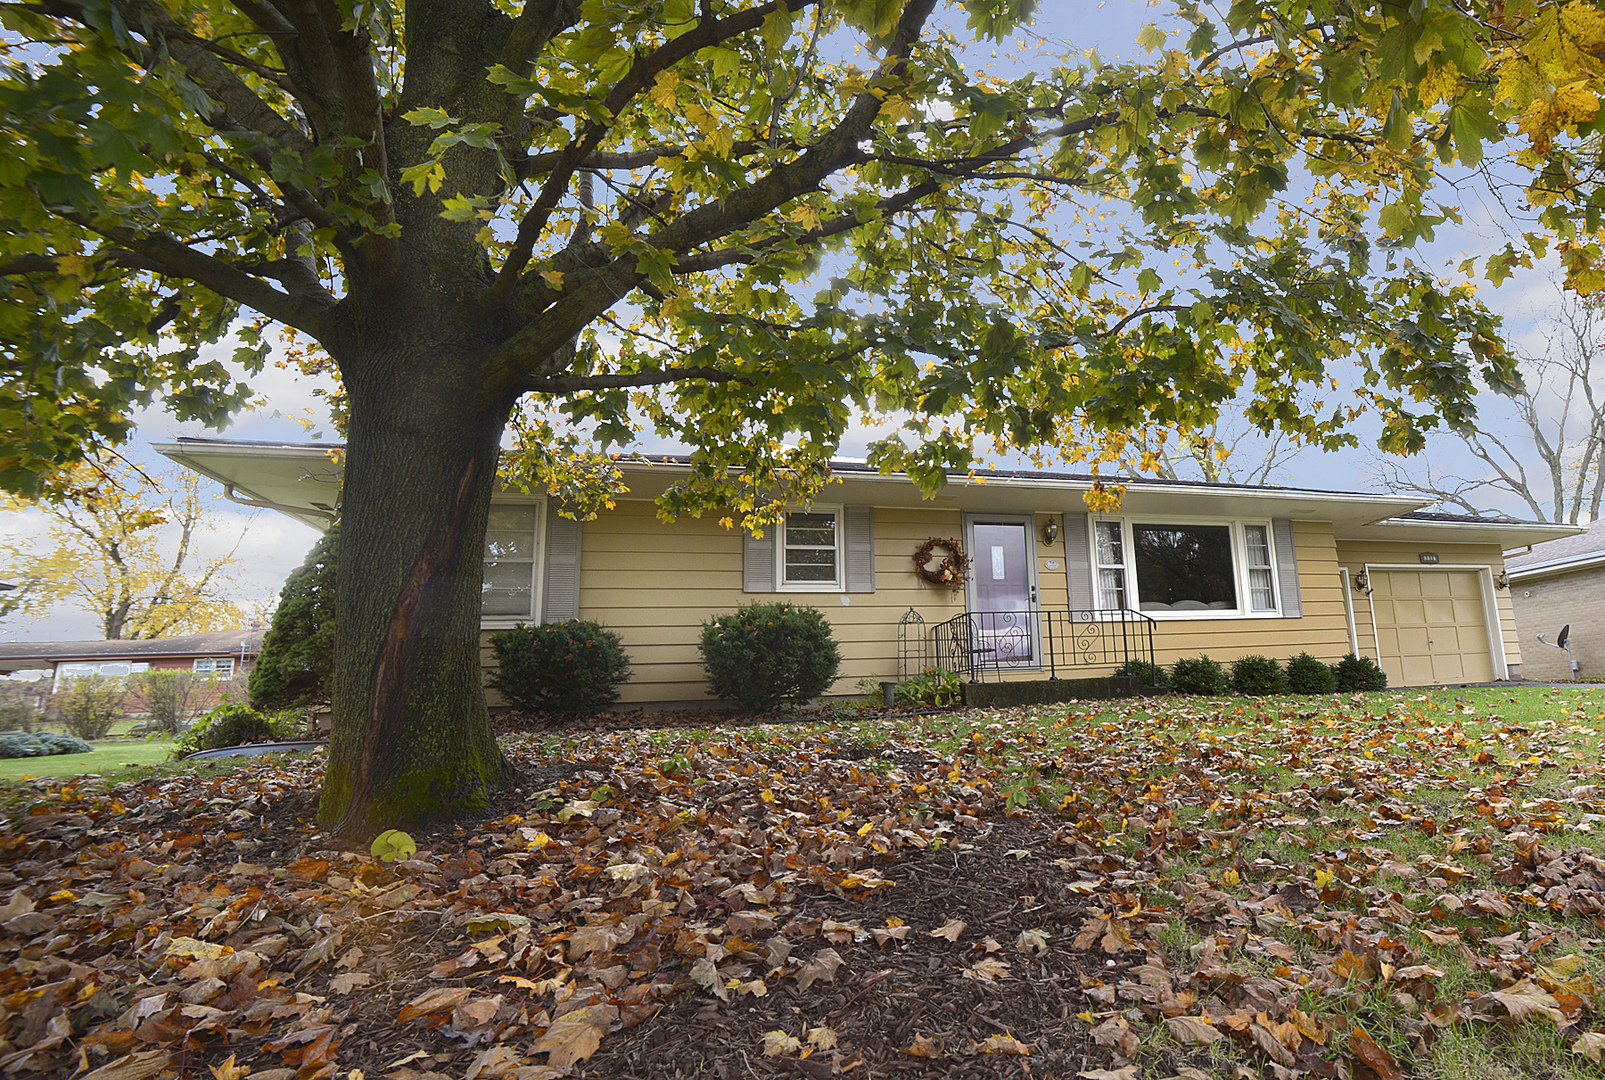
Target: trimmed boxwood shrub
1359, 673
1200, 675
232, 724
1256, 676
571, 667
40, 744
1145, 673
1307, 675
764, 655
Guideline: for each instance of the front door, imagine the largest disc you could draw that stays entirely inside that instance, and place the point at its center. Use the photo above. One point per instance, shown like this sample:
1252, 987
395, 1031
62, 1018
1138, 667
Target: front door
1003, 592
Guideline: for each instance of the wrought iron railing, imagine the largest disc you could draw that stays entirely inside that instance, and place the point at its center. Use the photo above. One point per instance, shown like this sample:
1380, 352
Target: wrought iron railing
984, 645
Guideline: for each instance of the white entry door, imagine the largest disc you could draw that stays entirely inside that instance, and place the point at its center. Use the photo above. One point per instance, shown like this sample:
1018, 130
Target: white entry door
1002, 592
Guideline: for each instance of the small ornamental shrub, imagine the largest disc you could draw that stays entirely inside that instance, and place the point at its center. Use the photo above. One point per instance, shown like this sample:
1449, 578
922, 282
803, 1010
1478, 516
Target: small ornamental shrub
1256, 676
1200, 675
91, 704
40, 744
298, 649
1307, 675
21, 704
1145, 673
232, 724
169, 698
1359, 673
932, 688
764, 655
572, 667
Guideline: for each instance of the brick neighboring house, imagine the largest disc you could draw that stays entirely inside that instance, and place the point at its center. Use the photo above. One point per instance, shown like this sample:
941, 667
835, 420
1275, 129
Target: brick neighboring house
1553, 584
222, 657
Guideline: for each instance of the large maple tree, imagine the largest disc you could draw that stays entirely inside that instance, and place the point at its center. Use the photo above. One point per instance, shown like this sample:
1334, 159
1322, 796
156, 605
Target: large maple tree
744, 223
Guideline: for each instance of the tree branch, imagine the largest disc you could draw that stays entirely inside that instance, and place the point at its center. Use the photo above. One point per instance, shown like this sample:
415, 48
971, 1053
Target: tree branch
568, 384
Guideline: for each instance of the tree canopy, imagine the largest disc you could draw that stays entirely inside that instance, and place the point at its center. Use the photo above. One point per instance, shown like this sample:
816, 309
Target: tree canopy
745, 225
122, 546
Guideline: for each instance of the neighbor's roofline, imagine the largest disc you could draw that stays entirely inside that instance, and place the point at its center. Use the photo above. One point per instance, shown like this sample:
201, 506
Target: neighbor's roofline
1393, 504
1557, 566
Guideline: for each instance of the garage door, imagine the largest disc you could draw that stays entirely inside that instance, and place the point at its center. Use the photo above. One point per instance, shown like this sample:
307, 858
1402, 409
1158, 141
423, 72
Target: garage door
1431, 626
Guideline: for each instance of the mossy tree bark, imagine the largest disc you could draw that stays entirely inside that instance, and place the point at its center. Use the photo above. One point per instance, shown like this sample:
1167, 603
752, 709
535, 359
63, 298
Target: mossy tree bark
411, 737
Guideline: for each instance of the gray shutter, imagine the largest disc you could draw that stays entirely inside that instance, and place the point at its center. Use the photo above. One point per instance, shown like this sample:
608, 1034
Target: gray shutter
859, 533
1078, 562
1287, 568
560, 588
758, 561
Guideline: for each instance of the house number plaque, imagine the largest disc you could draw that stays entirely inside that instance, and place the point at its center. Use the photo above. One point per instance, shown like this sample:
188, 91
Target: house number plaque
1429, 558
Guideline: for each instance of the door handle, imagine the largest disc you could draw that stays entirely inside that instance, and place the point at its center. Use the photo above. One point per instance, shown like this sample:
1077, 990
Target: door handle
1033, 594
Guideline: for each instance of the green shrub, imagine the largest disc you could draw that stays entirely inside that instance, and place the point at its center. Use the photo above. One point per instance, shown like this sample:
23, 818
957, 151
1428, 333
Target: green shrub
932, 688
764, 655
572, 667
233, 724
91, 704
1145, 673
21, 704
1307, 675
298, 649
40, 744
1256, 676
168, 696
1359, 673
1200, 675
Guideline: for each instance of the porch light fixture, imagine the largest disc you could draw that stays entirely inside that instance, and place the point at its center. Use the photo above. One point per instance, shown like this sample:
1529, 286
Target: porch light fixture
1362, 581
1050, 531
1502, 581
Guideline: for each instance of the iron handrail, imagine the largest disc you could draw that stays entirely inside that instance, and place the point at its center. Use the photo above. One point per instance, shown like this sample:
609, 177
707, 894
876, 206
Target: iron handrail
982, 644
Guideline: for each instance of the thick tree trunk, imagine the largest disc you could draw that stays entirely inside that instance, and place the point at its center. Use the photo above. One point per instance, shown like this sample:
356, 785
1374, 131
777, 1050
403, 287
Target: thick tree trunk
411, 737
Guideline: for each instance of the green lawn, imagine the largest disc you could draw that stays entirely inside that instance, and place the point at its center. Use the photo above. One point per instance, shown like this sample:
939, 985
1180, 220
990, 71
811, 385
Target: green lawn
108, 758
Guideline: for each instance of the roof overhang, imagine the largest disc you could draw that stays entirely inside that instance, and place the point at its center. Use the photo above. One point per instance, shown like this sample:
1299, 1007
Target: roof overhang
303, 480
1556, 567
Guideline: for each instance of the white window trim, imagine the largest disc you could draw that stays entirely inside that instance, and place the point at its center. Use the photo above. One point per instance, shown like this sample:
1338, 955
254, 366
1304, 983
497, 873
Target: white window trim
537, 568
1239, 542
837, 586
211, 663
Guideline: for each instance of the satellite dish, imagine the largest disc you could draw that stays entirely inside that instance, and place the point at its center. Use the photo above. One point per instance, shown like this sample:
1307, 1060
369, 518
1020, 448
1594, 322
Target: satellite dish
1564, 635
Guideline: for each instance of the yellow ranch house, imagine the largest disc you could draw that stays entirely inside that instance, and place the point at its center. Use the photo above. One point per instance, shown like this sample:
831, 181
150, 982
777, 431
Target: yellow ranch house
1047, 591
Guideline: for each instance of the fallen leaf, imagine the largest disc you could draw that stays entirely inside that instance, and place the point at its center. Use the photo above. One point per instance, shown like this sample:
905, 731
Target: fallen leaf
950, 929
133, 1067
822, 966
442, 999
923, 1046
575, 1035
1375, 1058
1128, 1072
1193, 1030
348, 981
1031, 941
822, 1037
988, 969
776, 1043
1004, 1044
1591, 1043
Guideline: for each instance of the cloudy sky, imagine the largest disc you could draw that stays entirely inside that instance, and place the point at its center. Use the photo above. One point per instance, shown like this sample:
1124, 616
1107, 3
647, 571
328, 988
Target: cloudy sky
269, 545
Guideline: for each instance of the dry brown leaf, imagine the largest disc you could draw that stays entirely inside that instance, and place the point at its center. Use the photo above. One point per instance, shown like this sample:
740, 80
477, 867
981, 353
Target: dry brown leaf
1193, 1030
1129, 1072
1004, 1044
1591, 1043
1523, 1001
475, 1013
439, 1000
988, 969
822, 1037
1032, 941
923, 1046
495, 1063
133, 1067
575, 1035
822, 966
1375, 1058
348, 981
228, 1070
950, 929
776, 1043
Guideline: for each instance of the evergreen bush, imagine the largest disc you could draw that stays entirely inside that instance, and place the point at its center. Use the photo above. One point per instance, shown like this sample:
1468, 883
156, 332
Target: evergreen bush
298, 649
91, 704
1359, 673
1307, 675
764, 655
1256, 676
1145, 673
233, 724
573, 667
1200, 675
40, 744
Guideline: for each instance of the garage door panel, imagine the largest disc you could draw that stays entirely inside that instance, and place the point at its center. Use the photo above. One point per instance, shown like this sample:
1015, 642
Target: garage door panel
1431, 626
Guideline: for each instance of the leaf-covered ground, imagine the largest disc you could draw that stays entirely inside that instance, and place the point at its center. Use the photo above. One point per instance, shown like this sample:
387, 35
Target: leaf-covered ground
1384, 886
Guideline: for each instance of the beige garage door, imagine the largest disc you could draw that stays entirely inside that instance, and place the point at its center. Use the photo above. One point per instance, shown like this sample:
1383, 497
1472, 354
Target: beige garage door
1431, 627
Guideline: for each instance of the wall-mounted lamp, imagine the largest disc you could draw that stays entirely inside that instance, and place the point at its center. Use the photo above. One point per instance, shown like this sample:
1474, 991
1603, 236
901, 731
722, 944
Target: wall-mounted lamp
1362, 581
1502, 581
1050, 530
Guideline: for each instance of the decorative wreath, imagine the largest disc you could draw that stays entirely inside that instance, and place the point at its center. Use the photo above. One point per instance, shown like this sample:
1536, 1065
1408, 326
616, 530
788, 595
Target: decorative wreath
950, 571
